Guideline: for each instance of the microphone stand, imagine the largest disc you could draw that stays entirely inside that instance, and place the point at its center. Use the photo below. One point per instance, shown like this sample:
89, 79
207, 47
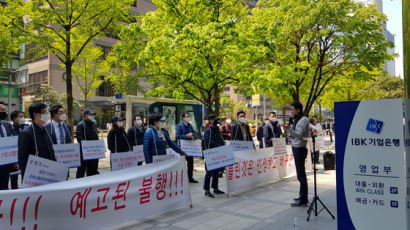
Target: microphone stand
313, 205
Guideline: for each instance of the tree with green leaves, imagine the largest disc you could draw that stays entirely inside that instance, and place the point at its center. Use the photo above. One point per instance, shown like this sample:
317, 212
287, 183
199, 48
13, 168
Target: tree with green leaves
65, 28
9, 39
192, 49
87, 72
309, 44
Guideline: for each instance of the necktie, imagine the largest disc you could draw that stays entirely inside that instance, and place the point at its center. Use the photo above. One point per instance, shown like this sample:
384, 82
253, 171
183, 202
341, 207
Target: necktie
60, 129
1, 130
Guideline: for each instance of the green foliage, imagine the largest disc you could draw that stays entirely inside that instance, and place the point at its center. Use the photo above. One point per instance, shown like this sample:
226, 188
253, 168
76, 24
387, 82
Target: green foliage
87, 72
9, 39
191, 48
230, 108
305, 45
349, 89
66, 28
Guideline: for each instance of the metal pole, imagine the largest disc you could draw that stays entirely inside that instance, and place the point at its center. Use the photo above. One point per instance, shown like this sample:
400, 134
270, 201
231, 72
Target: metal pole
406, 45
264, 105
9, 99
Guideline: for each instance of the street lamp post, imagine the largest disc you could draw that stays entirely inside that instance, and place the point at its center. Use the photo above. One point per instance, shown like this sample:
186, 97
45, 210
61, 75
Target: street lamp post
406, 45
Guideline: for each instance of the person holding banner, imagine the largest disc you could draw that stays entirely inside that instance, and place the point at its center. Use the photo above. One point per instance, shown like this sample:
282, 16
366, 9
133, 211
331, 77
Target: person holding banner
259, 134
240, 131
136, 133
299, 133
212, 139
117, 139
35, 139
185, 131
4, 132
157, 140
17, 125
86, 130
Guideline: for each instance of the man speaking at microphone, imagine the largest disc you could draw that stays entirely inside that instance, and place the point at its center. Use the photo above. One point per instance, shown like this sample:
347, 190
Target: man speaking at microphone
299, 133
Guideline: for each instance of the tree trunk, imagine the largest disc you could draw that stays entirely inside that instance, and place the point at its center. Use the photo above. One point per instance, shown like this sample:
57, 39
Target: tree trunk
284, 122
217, 102
69, 85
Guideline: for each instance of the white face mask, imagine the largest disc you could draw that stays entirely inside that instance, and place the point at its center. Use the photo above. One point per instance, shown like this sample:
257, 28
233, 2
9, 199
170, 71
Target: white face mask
228, 121
266, 122
120, 123
242, 120
139, 122
22, 121
273, 119
63, 117
162, 125
91, 118
45, 117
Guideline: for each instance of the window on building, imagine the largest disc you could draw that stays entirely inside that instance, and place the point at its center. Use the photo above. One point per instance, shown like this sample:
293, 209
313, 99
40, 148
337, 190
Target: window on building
105, 89
33, 53
36, 79
227, 89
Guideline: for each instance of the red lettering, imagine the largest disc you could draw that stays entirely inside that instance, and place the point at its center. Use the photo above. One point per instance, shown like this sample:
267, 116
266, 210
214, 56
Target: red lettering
80, 203
99, 208
121, 193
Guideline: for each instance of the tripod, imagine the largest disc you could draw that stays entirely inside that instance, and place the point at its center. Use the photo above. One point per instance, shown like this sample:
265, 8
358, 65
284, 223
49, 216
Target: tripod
313, 205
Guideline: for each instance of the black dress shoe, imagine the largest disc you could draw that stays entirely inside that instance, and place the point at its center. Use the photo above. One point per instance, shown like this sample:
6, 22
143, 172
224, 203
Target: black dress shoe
299, 204
296, 199
219, 192
193, 181
209, 194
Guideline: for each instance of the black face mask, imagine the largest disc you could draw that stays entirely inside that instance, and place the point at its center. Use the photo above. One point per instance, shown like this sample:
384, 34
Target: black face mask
3, 116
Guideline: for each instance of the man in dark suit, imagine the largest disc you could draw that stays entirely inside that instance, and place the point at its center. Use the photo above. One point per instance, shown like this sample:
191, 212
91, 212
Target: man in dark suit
34, 139
271, 130
240, 131
16, 127
4, 132
60, 131
136, 133
86, 130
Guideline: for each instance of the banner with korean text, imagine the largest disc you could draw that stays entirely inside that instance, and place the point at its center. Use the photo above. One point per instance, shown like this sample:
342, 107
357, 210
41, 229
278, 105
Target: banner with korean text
259, 167
100, 201
8, 150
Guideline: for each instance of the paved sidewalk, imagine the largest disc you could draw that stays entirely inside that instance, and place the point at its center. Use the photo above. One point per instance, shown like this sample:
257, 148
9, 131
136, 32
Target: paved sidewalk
265, 207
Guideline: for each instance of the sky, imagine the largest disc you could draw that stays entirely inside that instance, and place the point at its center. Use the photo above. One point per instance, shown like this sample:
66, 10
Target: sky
393, 11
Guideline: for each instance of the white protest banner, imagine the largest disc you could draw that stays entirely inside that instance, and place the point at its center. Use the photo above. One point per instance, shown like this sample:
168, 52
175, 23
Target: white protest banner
139, 152
8, 150
279, 145
99, 202
162, 158
94, 149
123, 160
192, 147
258, 167
242, 145
219, 157
252, 168
41, 171
170, 151
68, 154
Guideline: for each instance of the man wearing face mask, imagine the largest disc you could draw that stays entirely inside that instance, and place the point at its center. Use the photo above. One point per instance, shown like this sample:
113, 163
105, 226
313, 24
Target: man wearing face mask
185, 131
226, 129
17, 125
240, 131
157, 140
35, 138
59, 130
117, 139
4, 132
271, 130
259, 133
136, 133
86, 130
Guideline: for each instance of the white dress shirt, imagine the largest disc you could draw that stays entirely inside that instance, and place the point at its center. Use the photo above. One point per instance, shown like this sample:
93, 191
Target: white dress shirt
57, 130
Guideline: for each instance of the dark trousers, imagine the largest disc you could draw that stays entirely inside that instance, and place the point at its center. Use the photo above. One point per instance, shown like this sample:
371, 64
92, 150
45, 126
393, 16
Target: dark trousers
315, 157
300, 154
14, 181
90, 167
261, 144
190, 165
4, 177
215, 177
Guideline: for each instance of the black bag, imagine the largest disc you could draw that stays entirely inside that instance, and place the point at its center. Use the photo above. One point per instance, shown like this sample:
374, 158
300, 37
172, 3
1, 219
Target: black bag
329, 160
